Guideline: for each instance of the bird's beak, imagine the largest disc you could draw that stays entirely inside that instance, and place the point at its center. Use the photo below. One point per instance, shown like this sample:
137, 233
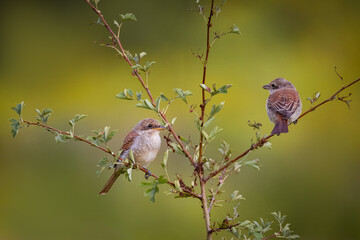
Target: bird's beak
160, 128
267, 87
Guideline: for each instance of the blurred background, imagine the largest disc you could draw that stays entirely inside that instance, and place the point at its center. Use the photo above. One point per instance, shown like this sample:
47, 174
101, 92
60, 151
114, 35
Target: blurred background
50, 57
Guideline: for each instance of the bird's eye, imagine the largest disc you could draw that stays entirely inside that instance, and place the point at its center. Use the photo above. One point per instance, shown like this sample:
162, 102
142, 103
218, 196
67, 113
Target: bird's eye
150, 125
273, 85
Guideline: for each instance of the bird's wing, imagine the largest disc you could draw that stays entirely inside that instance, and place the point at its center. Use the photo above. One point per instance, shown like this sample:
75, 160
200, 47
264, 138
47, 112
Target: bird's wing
284, 102
127, 143
129, 140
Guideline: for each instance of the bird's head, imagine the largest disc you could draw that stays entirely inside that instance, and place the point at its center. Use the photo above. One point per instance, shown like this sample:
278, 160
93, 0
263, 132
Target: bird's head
278, 84
149, 125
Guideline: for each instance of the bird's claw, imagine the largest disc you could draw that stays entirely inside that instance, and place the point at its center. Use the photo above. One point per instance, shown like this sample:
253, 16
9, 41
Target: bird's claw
147, 174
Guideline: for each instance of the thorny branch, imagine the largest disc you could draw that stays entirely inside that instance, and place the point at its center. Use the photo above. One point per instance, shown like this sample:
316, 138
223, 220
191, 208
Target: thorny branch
265, 139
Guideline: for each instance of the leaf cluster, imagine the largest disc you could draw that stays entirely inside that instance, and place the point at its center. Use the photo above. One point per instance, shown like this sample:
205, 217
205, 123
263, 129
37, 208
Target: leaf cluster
152, 187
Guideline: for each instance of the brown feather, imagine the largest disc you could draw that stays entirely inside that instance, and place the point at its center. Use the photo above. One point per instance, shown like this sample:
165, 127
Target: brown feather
284, 101
110, 182
128, 141
281, 125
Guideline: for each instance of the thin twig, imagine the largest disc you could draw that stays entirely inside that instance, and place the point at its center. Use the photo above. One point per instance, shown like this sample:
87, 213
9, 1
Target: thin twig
272, 236
221, 181
224, 228
185, 189
265, 139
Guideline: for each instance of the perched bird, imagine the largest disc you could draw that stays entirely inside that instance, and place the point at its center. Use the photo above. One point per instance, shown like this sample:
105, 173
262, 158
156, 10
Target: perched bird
144, 141
283, 105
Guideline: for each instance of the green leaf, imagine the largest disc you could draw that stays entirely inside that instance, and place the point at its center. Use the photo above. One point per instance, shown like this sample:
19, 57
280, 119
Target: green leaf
108, 135
142, 54
267, 145
236, 196
18, 108
131, 155
177, 148
43, 115
182, 94
163, 97
153, 187
235, 29
173, 121
254, 125
138, 67
165, 159
103, 164
149, 104
198, 123
126, 94
128, 17
177, 186
225, 149
116, 23
128, 174
60, 138
206, 88
206, 136
157, 104
235, 232
214, 132
223, 89
15, 127
253, 163
208, 122
215, 109
148, 65
78, 117
145, 104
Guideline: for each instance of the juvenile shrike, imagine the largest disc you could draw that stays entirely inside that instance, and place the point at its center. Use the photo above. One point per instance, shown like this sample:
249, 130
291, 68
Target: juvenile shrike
144, 141
283, 105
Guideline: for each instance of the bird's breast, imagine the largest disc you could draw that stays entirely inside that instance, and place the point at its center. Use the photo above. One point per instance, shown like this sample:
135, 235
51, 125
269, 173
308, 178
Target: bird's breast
146, 148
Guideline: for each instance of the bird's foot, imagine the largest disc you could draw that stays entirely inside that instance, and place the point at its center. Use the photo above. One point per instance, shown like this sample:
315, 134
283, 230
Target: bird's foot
295, 122
148, 173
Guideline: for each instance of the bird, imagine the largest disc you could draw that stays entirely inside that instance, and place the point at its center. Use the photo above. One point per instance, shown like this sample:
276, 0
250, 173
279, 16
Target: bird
144, 141
283, 104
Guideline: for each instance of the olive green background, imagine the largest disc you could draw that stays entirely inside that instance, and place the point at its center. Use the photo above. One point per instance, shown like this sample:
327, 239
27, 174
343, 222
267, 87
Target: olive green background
50, 57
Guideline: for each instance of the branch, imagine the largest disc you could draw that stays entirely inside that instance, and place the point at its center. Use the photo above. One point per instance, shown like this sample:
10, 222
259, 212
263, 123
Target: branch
272, 236
137, 74
224, 228
265, 139
200, 168
203, 105
185, 189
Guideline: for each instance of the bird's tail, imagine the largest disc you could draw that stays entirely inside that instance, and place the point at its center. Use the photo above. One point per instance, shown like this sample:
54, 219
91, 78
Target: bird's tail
281, 126
110, 182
